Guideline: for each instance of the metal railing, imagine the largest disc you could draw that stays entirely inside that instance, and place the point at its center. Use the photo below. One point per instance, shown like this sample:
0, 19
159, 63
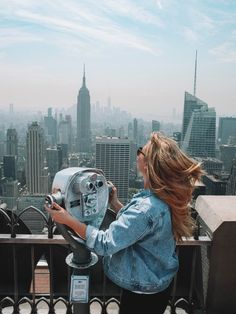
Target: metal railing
22, 251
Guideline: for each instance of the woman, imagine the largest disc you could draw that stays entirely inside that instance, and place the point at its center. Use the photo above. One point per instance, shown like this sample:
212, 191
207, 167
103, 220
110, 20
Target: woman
139, 246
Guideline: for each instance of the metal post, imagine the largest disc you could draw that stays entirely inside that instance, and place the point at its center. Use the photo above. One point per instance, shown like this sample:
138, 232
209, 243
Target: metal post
81, 260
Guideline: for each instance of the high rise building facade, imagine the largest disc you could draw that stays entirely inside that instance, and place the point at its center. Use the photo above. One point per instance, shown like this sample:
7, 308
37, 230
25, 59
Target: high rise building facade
10, 166
214, 185
65, 132
83, 119
10, 192
73, 161
155, 126
34, 158
112, 155
231, 184
135, 131
200, 135
64, 152
12, 142
54, 161
50, 126
227, 155
227, 128
130, 131
210, 165
191, 103
110, 132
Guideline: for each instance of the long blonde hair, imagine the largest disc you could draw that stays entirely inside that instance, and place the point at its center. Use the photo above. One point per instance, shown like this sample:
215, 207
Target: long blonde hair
172, 176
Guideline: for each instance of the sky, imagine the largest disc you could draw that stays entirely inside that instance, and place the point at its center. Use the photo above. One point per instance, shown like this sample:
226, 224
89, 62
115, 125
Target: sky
138, 53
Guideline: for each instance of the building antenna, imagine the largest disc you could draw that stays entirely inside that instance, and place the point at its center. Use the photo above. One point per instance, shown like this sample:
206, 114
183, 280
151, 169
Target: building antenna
195, 76
84, 80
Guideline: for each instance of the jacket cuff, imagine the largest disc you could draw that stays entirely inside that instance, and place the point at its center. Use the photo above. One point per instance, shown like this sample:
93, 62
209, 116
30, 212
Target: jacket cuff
91, 235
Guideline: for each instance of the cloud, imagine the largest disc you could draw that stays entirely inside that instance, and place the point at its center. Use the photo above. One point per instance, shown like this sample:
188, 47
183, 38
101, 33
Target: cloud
111, 34
203, 21
132, 10
190, 35
159, 4
14, 36
226, 52
78, 21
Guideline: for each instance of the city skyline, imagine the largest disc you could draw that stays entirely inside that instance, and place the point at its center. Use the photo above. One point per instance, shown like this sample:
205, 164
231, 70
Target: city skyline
138, 54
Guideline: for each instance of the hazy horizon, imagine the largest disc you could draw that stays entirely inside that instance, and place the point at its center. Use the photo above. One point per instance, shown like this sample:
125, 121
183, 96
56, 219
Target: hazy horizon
140, 54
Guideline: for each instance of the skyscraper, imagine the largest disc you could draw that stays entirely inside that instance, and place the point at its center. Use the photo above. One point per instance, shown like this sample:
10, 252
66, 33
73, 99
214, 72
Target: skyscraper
227, 155
231, 184
10, 166
65, 132
10, 192
54, 160
135, 131
155, 125
227, 128
11, 109
200, 135
12, 142
130, 131
191, 103
50, 125
83, 119
113, 157
34, 158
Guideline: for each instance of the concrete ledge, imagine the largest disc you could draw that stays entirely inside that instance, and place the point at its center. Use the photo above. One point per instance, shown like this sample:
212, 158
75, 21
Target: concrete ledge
216, 209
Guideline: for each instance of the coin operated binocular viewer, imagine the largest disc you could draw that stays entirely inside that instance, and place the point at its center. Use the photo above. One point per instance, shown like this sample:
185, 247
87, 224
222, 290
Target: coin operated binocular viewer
84, 193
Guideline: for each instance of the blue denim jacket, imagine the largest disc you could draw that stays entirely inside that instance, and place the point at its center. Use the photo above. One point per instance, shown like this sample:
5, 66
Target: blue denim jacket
138, 247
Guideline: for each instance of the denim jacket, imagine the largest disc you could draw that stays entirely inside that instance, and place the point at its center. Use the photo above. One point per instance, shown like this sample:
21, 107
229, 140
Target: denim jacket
138, 247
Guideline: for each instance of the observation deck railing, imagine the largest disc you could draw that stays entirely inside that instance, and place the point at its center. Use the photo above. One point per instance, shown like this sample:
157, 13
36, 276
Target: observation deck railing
23, 254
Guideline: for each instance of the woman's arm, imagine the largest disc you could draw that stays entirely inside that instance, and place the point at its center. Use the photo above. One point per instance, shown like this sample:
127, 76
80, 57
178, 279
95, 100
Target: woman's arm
114, 202
62, 216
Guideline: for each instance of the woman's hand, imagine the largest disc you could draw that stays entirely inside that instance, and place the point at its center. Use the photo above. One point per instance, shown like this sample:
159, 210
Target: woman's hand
113, 193
113, 198
61, 216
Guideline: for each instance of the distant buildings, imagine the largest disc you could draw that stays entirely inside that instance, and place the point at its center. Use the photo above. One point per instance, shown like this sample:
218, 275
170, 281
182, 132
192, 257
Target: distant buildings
112, 155
9, 191
83, 119
177, 137
210, 165
73, 160
231, 185
227, 154
227, 128
214, 185
139, 136
67, 141
9, 185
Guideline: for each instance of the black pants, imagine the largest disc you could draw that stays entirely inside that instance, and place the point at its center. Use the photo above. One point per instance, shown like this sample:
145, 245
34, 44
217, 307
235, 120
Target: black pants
136, 303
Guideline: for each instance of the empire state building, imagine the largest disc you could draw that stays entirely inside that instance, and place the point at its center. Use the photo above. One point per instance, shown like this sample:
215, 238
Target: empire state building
83, 119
